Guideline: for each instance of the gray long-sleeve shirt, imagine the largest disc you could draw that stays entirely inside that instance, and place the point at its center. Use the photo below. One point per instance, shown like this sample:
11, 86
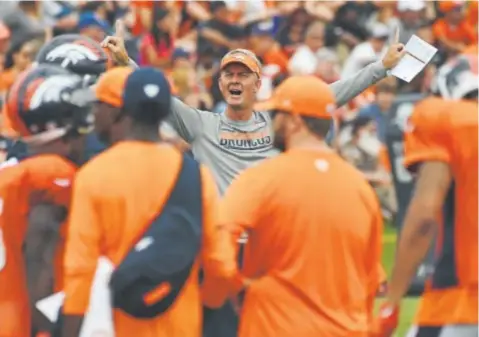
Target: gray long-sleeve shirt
228, 147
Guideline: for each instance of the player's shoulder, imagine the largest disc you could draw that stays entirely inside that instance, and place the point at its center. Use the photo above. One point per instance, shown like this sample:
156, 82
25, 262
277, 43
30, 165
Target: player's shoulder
430, 114
98, 167
123, 159
259, 176
430, 108
48, 164
435, 114
45, 171
12, 173
463, 114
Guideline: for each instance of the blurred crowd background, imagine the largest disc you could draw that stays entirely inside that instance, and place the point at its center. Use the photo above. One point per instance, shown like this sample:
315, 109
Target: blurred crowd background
328, 39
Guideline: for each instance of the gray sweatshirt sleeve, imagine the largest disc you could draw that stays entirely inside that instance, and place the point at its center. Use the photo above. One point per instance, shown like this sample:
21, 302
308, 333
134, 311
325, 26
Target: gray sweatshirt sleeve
185, 120
133, 64
347, 89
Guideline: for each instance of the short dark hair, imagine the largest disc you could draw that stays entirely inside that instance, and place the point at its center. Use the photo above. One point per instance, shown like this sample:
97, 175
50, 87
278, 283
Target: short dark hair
318, 126
149, 113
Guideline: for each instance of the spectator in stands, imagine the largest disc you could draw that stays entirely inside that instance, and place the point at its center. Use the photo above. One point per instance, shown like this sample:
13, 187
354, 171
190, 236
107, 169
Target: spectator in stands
472, 13
349, 24
99, 8
305, 59
25, 19
323, 10
363, 147
367, 52
61, 16
18, 58
261, 42
92, 26
366, 153
292, 31
143, 16
453, 32
156, 47
328, 68
384, 14
274, 60
218, 35
4, 39
187, 83
379, 109
411, 15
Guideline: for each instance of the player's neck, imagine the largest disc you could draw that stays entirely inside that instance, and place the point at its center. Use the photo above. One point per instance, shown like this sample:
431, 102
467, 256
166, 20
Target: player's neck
309, 143
144, 133
238, 115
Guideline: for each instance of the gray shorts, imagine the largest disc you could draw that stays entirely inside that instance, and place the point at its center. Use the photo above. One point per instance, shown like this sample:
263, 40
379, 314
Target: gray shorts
444, 331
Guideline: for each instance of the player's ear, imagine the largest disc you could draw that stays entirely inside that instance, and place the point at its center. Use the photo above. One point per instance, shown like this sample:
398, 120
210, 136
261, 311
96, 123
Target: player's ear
257, 85
296, 122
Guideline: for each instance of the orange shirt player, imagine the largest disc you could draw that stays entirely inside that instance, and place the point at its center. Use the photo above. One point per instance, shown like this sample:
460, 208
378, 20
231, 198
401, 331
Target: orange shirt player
35, 195
314, 225
441, 147
117, 194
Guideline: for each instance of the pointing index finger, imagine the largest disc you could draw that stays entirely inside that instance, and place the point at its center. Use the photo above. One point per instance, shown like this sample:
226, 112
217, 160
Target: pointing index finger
120, 29
396, 35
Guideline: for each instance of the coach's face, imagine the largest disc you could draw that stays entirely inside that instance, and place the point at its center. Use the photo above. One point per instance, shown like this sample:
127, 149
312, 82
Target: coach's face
239, 86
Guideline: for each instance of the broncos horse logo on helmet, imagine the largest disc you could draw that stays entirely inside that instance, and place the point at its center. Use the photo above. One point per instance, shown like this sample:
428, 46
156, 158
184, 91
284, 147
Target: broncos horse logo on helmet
457, 79
79, 54
48, 102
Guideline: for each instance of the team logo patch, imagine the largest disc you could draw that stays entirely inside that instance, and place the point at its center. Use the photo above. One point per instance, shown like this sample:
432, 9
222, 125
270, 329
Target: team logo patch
235, 140
71, 53
151, 90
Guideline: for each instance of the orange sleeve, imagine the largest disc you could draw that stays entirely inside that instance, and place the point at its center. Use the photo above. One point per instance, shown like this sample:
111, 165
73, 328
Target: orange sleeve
246, 200
470, 33
218, 252
439, 29
426, 137
278, 57
7, 125
241, 209
143, 4
82, 248
53, 176
377, 274
384, 158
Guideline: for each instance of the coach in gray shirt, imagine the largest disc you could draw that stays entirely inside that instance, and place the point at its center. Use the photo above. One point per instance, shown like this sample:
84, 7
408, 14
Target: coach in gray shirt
230, 142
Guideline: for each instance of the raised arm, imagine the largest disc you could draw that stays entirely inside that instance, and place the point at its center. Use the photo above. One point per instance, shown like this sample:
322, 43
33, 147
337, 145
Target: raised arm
346, 89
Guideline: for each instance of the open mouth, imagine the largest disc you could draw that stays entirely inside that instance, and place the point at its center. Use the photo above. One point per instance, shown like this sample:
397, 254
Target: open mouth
235, 92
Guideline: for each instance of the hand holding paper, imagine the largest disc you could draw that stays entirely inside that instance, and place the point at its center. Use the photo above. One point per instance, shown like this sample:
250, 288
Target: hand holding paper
394, 53
418, 54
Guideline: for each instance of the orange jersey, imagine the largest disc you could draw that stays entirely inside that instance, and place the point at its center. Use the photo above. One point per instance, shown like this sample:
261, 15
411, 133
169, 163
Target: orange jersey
449, 135
463, 32
42, 178
6, 128
314, 246
115, 197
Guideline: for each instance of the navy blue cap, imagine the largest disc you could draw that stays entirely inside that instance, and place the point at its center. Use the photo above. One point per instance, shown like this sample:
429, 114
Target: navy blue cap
180, 53
262, 29
146, 85
88, 19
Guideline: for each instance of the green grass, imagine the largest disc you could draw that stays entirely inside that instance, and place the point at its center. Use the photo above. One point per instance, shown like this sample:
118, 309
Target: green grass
408, 305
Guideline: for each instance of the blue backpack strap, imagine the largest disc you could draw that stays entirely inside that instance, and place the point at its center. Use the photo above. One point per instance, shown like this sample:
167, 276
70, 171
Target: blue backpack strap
187, 191
167, 250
